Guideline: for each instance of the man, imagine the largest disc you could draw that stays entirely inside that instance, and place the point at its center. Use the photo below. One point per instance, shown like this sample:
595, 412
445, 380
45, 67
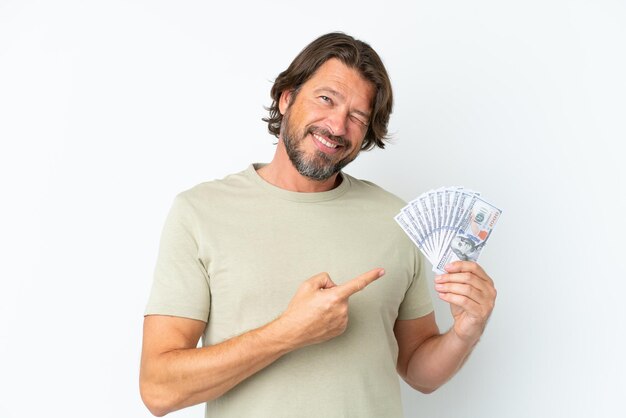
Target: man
267, 265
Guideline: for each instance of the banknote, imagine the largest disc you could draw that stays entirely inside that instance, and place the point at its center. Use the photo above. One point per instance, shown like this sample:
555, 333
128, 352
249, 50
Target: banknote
449, 224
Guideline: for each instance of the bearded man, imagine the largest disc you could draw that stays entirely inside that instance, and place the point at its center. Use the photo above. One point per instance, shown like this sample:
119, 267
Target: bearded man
309, 299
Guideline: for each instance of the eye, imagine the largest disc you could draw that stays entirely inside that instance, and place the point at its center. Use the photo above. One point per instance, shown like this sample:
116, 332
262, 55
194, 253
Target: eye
360, 120
326, 99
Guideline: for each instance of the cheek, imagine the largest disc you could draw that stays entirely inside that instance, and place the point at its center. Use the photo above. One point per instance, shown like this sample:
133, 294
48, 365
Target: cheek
357, 141
301, 118
354, 152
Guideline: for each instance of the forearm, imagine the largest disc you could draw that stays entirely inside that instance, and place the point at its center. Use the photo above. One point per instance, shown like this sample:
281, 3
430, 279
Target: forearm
436, 360
176, 374
433, 360
185, 377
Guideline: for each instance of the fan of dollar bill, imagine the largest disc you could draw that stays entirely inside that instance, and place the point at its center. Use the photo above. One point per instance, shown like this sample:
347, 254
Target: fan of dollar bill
449, 224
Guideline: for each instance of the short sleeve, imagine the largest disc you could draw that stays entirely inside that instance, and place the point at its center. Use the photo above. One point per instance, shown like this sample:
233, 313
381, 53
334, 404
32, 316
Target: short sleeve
181, 283
417, 301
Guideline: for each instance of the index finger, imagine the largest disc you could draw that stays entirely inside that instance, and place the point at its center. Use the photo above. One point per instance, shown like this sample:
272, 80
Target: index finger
468, 266
359, 283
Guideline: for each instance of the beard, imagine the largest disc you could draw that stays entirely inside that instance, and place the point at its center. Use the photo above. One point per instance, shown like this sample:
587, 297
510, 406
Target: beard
319, 166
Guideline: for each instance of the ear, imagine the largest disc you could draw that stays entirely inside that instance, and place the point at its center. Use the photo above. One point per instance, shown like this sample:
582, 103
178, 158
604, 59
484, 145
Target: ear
283, 102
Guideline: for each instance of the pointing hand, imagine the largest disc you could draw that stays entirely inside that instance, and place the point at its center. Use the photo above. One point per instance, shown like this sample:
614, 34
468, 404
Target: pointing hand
319, 309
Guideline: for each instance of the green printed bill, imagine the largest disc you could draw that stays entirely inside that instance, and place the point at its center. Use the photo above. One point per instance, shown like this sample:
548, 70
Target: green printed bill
449, 224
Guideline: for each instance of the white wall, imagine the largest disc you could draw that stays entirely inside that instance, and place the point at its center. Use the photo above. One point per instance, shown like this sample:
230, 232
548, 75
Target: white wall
110, 108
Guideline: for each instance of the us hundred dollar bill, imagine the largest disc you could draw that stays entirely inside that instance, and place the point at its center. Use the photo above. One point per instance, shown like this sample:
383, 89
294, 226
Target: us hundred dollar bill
470, 234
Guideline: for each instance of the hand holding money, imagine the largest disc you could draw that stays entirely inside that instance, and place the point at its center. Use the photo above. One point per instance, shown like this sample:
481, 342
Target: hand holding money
471, 295
451, 226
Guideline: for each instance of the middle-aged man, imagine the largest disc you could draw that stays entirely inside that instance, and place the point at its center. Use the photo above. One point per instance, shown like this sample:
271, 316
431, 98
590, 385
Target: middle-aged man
309, 298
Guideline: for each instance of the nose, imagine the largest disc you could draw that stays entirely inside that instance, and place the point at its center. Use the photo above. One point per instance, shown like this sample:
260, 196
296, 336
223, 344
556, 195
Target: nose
337, 122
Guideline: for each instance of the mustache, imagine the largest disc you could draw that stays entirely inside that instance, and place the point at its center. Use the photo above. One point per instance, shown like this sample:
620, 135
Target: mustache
325, 132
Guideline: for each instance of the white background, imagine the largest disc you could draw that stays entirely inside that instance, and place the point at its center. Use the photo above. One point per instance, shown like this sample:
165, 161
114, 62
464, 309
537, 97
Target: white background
108, 109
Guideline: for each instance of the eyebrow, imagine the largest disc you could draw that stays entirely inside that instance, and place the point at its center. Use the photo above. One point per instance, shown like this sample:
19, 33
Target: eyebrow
342, 97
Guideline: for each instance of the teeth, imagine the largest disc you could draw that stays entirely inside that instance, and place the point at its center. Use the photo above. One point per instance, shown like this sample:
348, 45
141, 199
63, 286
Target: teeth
323, 141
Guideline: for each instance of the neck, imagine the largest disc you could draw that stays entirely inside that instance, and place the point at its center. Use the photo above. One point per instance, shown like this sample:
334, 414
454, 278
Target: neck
282, 173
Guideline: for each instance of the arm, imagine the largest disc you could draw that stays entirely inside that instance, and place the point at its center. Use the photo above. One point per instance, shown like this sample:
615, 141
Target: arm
175, 374
428, 359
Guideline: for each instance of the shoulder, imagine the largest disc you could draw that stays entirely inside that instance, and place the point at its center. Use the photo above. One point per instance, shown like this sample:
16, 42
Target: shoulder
212, 195
372, 192
229, 185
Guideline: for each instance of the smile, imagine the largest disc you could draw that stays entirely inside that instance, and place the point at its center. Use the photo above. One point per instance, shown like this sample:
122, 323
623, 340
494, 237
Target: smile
324, 141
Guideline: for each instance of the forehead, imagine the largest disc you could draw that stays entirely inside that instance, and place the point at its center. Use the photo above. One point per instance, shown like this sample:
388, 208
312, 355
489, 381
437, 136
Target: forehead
335, 75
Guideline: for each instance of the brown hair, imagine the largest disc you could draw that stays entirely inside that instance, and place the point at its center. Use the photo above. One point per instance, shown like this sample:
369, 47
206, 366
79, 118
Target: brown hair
353, 53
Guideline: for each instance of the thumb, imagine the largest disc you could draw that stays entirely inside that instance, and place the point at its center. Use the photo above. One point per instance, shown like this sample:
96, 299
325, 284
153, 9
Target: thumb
321, 281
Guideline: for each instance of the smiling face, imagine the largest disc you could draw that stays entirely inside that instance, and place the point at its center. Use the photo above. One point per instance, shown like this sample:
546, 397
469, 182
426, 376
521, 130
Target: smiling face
326, 120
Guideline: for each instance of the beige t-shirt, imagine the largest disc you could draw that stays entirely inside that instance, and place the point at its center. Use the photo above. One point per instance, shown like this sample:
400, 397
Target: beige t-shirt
233, 253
